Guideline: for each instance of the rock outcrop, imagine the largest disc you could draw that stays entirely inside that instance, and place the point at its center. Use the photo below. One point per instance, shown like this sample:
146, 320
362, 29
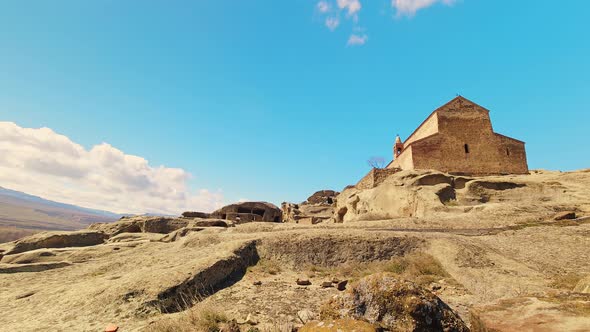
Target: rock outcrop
192, 214
55, 240
141, 224
318, 208
393, 304
248, 212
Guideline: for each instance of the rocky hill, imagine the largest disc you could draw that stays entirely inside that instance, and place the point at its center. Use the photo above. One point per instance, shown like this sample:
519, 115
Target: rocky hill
421, 251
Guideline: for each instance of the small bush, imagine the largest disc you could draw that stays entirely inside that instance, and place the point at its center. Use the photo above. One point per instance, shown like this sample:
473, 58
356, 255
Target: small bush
418, 267
566, 281
194, 320
266, 266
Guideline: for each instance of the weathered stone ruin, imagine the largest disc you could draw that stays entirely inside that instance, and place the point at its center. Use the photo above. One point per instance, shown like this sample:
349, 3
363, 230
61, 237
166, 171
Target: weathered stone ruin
248, 212
317, 208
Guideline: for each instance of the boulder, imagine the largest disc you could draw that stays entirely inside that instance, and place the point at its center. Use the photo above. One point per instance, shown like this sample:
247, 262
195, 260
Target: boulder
305, 315
303, 282
57, 240
393, 304
565, 215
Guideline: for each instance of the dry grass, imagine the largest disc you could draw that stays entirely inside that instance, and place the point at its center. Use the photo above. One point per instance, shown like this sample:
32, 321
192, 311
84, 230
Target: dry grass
566, 281
193, 320
418, 267
266, 266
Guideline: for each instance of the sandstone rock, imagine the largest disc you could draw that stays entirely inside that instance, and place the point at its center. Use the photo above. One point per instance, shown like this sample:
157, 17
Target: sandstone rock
318, 208
303, 282
322, 197
565, 215
162, 225
251, 320
393, 304
111, 328
305, 316
338, 325
326, 284
57, 240
180, 233
249, 211
192, 214
141, 224
211, 223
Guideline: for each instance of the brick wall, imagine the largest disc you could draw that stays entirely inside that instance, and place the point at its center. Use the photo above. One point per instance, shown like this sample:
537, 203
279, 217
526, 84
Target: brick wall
375, 177
467, 144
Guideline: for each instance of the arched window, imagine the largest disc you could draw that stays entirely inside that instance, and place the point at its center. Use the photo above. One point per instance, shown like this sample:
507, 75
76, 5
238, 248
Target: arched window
466, 146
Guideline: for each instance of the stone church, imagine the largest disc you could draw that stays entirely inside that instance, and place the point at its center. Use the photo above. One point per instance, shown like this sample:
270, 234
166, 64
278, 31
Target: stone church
458, 138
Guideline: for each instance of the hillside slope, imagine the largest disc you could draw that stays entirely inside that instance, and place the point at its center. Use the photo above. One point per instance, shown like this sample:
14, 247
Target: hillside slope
22, 214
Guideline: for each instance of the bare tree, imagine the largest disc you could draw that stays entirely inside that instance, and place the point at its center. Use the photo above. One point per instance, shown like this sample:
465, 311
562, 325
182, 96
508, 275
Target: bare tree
376, 162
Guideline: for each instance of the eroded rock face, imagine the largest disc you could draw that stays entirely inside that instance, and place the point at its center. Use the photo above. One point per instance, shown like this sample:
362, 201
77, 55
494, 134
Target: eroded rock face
318, 208
322, 197
431, 194
192, 214
57, 240
141, 224
393, 304
249, 211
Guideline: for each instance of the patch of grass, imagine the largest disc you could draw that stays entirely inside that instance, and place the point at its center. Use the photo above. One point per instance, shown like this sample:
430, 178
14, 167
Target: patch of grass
567, 281
201, 320
451, 202
419, 267
267, 266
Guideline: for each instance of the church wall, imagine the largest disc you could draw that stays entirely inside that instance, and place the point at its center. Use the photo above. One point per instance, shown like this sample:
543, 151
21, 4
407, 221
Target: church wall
467, 144
404, 160
429, 127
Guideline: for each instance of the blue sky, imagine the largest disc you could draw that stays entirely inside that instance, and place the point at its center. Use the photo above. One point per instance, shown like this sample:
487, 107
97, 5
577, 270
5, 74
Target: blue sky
261, 100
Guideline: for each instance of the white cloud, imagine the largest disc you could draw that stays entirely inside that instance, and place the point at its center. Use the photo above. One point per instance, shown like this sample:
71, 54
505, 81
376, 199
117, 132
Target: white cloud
323, 6
332, 23
410, 7
43, 163
353, 6
357, 40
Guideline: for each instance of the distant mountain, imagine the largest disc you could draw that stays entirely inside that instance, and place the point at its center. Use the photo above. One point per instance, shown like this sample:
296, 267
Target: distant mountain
22, 214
